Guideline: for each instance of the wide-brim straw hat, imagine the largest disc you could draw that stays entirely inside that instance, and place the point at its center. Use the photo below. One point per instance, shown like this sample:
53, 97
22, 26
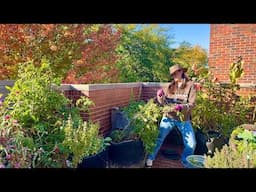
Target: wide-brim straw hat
175, 68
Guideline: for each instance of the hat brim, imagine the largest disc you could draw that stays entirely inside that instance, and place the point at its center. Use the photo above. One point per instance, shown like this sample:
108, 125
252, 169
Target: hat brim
183, 69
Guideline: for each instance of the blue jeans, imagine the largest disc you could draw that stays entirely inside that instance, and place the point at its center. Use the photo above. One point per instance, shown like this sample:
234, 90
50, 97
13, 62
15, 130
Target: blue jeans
188, 136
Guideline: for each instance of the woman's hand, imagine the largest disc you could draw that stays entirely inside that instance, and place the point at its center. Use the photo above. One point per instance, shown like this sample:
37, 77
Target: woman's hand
160, 92
178, 107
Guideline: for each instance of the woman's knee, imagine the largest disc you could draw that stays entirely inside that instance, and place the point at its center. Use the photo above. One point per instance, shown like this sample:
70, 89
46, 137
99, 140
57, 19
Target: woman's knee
189, 136
193, 145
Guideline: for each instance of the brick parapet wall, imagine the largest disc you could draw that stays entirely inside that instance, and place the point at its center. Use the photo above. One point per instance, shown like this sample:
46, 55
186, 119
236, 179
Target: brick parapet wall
104, 96
227, 41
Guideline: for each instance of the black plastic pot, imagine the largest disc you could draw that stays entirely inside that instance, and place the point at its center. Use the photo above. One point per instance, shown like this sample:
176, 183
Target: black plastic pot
119, 119
126, 153
207, 143
215, 140
99, 160
201, 139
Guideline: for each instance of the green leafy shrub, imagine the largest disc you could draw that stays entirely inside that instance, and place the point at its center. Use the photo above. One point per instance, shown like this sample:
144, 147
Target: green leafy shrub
84, 140
236, 70
40, 111
240, 153
35, 103
33, 97
218, 107
15, 149
146, 123
240, 136
230, 157
128, 132
120, 135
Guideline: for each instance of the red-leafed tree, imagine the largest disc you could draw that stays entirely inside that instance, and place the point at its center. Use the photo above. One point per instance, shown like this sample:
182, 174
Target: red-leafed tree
79, 53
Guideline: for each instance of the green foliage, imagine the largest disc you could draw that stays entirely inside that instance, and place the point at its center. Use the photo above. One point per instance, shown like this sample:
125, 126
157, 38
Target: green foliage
230, 157
236, 70
32, 98
33, 118
247, 136
83, 103
15, 147
83, 141
129, 131
240, 153
122, 135
35, 104
240, 136
133, 108
219, 114
144, 53
146, 122
219, 108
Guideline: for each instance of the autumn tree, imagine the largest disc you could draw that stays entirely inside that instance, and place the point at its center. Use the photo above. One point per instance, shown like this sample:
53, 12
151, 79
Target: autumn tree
79, 53
144, 53
192, 57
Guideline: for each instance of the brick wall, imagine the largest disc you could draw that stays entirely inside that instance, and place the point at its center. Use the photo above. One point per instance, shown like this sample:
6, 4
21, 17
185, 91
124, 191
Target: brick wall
105, 96
227, 41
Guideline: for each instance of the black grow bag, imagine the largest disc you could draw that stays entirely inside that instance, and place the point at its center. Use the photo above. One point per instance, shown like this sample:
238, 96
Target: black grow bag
201, 139
207, 143
215, 140
126, 153
99, 160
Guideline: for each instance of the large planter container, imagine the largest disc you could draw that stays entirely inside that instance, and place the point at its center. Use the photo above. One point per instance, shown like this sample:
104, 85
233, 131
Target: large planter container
99, 160
119, 119
207, 143
215, 140
126, 153
201, 140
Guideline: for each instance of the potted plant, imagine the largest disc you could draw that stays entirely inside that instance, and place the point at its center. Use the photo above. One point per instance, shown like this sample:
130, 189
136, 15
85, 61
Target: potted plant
146, 124
126, 147
239, 153
230, 157
143, 124
87, 148
219, 109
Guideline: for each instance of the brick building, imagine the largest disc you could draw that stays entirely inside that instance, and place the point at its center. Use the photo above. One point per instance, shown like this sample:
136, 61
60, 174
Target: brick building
227, 41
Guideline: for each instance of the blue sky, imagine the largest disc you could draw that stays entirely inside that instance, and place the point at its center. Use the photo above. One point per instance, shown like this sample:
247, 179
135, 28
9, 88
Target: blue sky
196, 34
